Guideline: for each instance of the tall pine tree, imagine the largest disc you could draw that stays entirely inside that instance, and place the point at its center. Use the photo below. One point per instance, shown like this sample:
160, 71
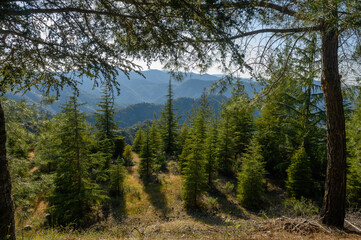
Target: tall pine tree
194, 166
75, 194
169, 124
109, 142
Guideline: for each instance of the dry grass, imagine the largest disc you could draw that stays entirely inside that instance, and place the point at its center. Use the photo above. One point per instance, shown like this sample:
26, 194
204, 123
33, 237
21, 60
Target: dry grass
155, 211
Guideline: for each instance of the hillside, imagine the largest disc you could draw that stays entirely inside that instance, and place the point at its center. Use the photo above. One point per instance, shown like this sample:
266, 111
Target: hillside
154, 210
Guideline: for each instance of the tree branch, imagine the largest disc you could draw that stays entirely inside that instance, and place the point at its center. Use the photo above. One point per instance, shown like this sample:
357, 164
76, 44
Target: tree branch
276, 30
66, 10
245, 4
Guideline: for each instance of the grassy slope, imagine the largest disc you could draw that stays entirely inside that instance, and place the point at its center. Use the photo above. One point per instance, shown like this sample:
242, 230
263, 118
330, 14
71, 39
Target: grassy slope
154, 211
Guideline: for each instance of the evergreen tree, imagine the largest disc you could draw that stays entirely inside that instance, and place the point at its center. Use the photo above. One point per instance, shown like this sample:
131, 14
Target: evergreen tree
241, 119
299, 181
250, 179
211, 152
105, 124
236, 130
169, 124
194, 168
48, 148
75, 194
226, 149
184, 143
195, 178
128, 156
353, 192
106, 129
292, 114
159, 155
138, 141
117, 176
155, 138
146, 155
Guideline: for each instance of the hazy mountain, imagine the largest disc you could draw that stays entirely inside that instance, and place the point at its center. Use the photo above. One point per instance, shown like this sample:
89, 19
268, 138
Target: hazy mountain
140, 96
140, 112
151, 88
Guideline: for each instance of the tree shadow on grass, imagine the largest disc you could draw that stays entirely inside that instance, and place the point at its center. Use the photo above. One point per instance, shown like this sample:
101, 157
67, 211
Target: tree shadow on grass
226, 205
156, 196
116, 207
206, 217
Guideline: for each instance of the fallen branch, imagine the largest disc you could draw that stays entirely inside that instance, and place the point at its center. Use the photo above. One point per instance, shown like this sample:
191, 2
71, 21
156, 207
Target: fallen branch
352, 225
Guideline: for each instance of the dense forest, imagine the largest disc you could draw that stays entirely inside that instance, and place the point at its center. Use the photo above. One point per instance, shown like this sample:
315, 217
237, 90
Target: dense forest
275, 164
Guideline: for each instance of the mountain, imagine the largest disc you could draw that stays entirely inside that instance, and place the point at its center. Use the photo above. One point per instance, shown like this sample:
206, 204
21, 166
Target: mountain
151, 88
140, 96
140, 112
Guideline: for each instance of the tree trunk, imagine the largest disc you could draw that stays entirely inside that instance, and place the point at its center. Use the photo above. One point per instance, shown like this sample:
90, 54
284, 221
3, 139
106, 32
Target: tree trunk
7, 210
333, 209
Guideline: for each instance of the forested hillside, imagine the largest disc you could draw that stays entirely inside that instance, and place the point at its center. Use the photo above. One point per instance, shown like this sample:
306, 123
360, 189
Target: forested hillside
93, 147
218, 163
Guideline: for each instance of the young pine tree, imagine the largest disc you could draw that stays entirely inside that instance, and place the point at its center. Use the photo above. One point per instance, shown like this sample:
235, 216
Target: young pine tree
299, 182
138, 141
146, 156
117, 176
250, 180
75, 194
195, 177
128, 156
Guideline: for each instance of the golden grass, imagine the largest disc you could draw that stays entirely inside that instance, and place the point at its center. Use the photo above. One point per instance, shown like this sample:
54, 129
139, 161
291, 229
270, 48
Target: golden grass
155, 211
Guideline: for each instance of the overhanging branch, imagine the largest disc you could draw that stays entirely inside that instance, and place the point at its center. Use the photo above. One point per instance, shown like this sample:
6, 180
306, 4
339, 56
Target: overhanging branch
67, 10
276, 30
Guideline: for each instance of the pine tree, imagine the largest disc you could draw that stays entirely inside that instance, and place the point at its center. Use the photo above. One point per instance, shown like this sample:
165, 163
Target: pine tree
128, 156
226, 143
155, 138
146, 156
241, 119
75, 194
159, 156
117, 176
353, 191
236, 130
211, 152
106, 129
299, 181
169, 124
184, 142
105, 124
138, 141
195, 177
250, 180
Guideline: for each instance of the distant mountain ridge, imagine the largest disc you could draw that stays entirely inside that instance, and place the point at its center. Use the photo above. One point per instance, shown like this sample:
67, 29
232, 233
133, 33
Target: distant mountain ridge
140, 96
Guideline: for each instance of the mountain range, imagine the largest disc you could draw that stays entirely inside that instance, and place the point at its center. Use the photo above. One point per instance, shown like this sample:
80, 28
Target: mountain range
140, 96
